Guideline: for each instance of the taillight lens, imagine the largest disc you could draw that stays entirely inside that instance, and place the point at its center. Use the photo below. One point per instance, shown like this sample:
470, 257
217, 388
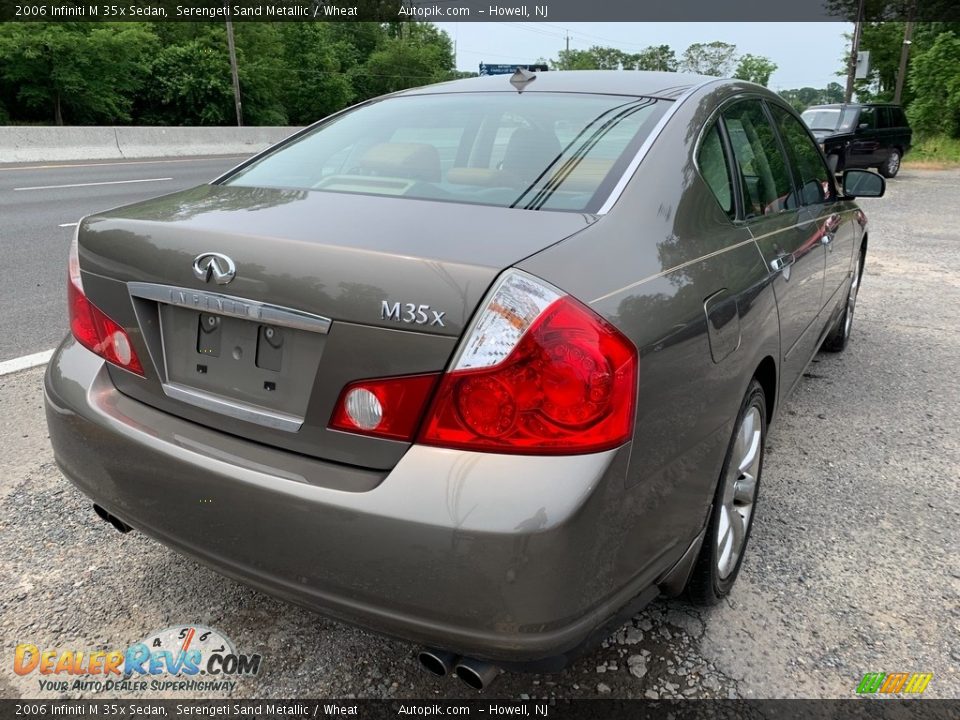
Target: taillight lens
92, 327
539, 373
386, 407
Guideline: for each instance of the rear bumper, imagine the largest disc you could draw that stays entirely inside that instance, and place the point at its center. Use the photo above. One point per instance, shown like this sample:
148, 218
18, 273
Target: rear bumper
513, 559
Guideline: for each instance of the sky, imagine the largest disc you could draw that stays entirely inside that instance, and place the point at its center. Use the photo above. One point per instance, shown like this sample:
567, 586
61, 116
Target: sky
807, 54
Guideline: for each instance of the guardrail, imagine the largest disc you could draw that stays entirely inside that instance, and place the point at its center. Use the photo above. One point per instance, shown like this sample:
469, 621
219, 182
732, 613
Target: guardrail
52, 144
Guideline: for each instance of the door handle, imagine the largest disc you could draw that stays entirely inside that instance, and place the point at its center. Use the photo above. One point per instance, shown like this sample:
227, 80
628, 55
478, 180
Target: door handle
830, 227
781, 262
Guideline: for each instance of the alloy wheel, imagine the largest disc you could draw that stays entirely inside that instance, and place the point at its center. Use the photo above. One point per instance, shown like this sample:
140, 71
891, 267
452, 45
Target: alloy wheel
739, 492
893, 163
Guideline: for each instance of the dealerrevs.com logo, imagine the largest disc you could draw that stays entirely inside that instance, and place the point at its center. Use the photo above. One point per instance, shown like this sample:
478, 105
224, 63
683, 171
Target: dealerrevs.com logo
187, 658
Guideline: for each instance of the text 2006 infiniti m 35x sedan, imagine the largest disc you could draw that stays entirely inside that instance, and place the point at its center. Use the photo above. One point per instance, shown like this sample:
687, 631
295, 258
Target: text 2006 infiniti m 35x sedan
485, 365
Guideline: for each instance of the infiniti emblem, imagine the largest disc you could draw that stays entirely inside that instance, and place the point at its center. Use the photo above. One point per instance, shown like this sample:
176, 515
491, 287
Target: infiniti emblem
216, 266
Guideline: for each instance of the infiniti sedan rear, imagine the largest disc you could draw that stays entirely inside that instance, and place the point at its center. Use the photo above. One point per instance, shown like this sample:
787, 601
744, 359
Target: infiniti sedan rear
485, 365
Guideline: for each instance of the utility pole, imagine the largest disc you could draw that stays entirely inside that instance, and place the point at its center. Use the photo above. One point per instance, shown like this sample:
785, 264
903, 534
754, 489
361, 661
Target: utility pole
233, 72
567, 33
854, 52
904, 56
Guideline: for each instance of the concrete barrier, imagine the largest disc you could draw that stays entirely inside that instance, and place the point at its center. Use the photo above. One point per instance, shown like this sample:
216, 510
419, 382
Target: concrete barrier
53, 144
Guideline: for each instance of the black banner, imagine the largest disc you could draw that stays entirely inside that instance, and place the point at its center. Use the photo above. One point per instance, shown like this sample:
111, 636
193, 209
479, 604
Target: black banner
474, 10
858, 709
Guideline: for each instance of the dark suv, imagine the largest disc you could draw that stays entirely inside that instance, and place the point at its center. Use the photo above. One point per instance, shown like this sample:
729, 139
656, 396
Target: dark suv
861, 135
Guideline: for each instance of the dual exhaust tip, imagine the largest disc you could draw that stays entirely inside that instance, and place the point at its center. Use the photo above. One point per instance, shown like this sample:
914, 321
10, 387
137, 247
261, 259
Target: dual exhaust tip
119, 524
478, 674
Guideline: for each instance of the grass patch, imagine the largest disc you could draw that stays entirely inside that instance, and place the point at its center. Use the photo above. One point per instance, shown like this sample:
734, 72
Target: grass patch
935, 153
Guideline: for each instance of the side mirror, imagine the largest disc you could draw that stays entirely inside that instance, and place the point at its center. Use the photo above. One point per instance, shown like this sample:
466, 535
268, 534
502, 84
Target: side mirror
863, 183
863, 126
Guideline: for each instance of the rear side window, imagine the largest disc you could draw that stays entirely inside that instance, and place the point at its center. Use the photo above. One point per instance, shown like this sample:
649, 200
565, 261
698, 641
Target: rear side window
899, 118
715, 169
764, 175
551, 151
810, 173
884, 119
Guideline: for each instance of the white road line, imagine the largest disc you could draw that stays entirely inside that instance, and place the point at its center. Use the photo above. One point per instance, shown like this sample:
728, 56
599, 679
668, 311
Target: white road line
74, 185
25, 362
211, 158
69, 224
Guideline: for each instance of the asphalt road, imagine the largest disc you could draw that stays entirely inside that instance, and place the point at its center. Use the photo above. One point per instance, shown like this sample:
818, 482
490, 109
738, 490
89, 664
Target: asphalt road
852, 566
36, 201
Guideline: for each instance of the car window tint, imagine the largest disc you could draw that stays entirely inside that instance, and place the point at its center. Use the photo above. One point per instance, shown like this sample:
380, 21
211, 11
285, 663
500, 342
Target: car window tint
899, 117
552, 151
764, 175
849, 120
868, 118
883, 118
715, 170
809, 170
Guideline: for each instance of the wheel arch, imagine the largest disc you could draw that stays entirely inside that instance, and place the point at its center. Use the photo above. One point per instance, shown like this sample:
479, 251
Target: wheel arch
766, 375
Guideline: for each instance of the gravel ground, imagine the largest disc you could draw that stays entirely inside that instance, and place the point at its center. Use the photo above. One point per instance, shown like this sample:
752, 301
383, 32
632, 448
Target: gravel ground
852, 568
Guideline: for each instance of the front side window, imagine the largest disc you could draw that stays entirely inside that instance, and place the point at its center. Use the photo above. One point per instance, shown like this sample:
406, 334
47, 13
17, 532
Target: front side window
764, 175
810, 173
552, 151
713, 165
868, 118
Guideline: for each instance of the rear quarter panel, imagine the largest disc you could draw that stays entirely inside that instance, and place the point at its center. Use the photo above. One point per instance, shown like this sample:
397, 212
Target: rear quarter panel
649, 266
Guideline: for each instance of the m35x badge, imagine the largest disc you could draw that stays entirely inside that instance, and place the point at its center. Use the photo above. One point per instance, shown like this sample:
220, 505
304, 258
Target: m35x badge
411, 313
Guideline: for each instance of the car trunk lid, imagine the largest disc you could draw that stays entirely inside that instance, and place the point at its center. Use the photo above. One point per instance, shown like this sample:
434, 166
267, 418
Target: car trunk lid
328, 288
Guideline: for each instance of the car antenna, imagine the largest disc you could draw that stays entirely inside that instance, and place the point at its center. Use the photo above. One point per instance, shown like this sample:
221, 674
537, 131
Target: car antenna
521, 78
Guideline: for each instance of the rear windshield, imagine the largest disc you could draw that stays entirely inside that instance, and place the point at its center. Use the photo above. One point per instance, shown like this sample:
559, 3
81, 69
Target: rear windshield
552, 151
829, 118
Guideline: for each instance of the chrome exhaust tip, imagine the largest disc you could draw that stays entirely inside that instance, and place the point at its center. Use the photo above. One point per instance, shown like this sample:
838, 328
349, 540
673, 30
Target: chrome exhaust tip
478, 674
437, 662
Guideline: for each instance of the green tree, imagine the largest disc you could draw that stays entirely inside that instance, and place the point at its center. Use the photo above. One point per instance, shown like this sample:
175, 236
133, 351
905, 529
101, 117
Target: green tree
802, 98
419, 55
317, 64
595, 58
191, 87
714, 58
78, 73
935, 81
655, 57
755, 68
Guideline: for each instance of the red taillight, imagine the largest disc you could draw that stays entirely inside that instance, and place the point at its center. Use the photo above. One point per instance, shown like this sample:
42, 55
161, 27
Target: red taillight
93, 328
386, 407
567, 387
537, 373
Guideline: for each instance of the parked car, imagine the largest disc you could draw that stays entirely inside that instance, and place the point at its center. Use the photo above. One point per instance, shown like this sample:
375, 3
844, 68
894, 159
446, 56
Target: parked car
429, 368
867, 135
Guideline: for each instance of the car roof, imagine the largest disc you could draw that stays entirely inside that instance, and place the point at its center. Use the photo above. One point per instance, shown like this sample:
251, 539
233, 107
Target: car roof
853, 105
666, 85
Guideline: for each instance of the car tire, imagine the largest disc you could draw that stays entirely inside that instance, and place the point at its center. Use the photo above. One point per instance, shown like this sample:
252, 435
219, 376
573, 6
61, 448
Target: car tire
892, 166
839, 337
734, 503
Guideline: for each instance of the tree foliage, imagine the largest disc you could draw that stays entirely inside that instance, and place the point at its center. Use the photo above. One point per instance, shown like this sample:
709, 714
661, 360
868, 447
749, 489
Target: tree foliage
713, 58
179, 73
935, 82
802, 98
755, 68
